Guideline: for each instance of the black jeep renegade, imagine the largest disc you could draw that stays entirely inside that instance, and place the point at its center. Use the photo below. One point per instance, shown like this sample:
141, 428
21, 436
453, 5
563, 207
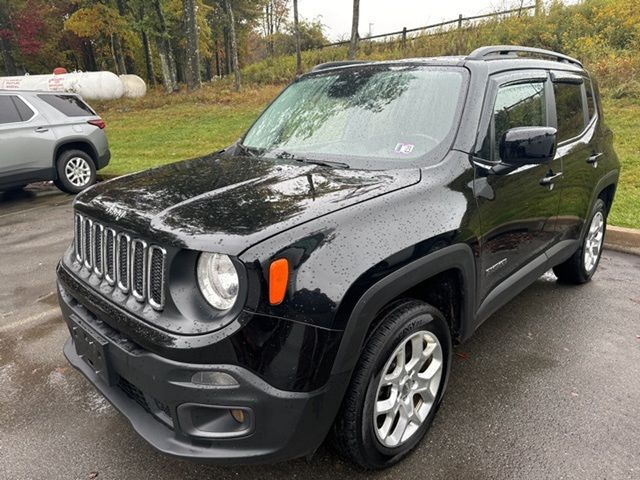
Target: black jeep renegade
311, 278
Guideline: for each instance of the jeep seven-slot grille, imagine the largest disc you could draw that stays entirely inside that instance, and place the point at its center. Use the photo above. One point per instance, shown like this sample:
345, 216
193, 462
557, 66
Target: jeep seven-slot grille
129, 263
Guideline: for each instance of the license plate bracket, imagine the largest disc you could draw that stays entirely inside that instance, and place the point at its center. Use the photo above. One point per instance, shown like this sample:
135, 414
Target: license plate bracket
92, 348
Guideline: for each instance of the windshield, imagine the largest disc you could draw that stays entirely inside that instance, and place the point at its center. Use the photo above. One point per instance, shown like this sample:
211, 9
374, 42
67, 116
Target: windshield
394, 113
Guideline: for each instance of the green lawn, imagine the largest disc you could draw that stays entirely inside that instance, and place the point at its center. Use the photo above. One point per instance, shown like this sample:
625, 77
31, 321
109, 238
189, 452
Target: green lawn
623, 116
161, 128
164, 128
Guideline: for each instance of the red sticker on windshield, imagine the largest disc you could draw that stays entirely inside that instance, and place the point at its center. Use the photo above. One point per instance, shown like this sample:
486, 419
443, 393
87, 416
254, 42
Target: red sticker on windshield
405, 148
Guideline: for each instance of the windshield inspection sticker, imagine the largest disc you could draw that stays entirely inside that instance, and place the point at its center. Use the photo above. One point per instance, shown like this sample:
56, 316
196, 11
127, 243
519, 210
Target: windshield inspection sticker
405, 148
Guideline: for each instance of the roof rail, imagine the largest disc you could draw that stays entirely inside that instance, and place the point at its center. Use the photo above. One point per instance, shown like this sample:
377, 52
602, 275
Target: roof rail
341, 63
498, 51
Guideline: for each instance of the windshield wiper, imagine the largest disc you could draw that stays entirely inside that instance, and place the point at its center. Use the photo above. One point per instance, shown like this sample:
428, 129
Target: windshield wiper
323, 163
248, 151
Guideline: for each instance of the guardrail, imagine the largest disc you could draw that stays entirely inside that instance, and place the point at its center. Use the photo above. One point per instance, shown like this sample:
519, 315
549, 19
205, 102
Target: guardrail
459, 21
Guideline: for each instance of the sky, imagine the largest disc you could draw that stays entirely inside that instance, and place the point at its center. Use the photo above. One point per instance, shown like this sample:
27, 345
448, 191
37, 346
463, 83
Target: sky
392, 15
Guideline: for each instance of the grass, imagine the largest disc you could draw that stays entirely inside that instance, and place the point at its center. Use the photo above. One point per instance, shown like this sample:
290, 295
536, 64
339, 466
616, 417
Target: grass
623, 117
160, 129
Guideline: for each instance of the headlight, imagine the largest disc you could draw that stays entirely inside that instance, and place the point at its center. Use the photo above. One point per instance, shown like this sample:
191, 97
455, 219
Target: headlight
218, 280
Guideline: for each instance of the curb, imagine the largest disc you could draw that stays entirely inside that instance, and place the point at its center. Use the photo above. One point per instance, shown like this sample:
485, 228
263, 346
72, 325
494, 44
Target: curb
620, 239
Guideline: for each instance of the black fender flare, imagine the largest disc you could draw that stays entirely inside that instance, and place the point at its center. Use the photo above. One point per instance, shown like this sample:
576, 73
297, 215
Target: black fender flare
610, 178
458, 256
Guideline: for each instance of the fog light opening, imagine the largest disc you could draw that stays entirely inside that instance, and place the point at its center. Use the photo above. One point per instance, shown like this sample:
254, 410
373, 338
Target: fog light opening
219, 379
238, 415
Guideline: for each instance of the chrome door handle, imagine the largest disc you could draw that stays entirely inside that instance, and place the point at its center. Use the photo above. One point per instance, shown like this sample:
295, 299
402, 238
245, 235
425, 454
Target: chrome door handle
549, 179
593, 159
42, 129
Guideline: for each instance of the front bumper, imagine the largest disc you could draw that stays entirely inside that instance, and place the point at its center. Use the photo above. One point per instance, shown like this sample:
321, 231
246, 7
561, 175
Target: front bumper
156, 393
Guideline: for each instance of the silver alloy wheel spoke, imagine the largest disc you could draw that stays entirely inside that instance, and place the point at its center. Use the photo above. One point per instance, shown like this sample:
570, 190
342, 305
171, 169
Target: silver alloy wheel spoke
78, 172
593, 242
407, 389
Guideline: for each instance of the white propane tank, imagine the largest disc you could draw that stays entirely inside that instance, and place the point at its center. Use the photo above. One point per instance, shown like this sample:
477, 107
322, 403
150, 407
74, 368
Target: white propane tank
90, 85
134, 86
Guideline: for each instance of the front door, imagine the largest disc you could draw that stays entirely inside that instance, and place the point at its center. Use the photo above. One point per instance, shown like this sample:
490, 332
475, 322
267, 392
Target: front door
517, 211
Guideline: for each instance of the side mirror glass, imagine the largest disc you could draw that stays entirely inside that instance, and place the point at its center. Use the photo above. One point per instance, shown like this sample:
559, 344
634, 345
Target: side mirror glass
528, 145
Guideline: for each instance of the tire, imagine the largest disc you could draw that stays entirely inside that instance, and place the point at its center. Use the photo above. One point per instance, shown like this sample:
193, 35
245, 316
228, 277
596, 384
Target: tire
76, 171
583, 264
359, 428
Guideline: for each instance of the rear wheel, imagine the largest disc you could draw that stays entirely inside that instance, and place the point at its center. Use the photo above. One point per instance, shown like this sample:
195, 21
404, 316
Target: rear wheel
584, 263
76, 171
396, 387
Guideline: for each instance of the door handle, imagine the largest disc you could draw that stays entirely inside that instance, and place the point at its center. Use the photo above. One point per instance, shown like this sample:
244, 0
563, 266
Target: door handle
593, 159
42, 129
549, 179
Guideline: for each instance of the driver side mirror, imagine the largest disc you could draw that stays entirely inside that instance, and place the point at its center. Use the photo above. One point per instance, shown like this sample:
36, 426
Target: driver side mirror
528, 146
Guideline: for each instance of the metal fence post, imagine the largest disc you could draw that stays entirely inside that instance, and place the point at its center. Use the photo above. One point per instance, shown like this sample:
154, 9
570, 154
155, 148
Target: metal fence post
404, 37
460, 21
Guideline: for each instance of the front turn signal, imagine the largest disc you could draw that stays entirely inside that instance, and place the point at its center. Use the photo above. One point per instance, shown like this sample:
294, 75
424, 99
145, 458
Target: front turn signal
278, 279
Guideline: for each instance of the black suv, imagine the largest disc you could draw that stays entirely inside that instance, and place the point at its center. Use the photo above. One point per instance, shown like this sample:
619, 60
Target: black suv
311, 278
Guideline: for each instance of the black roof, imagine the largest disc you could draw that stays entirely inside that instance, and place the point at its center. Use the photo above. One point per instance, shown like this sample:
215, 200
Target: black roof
496, 57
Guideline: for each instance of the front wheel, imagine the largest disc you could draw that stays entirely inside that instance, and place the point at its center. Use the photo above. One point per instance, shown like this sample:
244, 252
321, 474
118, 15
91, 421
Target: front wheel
396, 387
583, 264
76, 171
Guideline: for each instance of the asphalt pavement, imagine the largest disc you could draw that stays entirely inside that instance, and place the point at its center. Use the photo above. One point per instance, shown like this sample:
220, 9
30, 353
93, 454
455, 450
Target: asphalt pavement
548, 387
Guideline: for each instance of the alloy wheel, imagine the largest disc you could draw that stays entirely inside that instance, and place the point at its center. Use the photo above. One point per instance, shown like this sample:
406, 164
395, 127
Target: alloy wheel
78, 171
408, 388
593, 242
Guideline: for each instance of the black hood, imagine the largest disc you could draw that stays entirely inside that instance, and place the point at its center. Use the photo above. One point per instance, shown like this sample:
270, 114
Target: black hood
227, 204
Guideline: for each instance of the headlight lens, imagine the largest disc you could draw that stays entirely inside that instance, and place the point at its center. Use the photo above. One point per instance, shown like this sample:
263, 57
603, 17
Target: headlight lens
218, 280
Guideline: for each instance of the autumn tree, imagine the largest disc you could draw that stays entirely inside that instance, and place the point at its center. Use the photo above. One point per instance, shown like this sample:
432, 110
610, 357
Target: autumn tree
275, 15
234, 44
296, 33
355, 20
192, 59
165, 50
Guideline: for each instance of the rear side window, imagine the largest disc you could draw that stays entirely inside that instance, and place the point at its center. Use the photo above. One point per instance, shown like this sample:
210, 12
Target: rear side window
8, 111
25, 112
69, 105
569, 110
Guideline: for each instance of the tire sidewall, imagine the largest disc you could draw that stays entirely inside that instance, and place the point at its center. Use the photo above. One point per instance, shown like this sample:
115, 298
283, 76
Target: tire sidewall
63, 182
426, 318
598, 206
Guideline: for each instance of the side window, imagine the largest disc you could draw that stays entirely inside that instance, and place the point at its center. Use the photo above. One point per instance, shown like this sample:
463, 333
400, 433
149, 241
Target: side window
591, 102
69, 105
8, 111
516, 105
25, 112
569, 109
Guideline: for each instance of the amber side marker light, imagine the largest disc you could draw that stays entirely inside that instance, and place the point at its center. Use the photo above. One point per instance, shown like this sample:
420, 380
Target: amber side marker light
278, 279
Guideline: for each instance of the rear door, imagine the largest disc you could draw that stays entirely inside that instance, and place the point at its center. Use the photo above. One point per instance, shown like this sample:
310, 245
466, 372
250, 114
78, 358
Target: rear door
577, 150
517, 212
26, 141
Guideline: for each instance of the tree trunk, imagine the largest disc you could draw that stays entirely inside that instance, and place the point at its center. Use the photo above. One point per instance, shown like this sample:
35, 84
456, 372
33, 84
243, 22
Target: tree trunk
128, 61
88, 56
165, 52
353, 45
234, 45
296, 31
118, 55
148, 58
192, 60
9, 64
